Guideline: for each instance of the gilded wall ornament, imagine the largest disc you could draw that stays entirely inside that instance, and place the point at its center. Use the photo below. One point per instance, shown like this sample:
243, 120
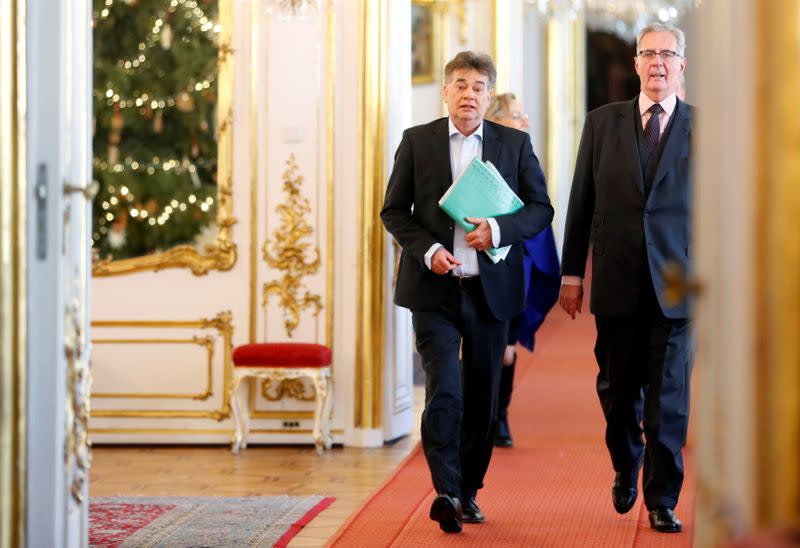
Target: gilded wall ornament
286, 251
291, 388
78, 450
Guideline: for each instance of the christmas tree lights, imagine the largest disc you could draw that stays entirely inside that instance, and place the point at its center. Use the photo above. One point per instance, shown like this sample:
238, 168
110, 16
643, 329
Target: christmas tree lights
155, 66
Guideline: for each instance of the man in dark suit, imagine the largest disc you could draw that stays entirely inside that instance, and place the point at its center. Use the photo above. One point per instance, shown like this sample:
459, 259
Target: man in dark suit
632, 190
459, 298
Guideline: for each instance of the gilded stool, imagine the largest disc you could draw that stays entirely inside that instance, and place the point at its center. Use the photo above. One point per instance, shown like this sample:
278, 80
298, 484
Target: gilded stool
277, 362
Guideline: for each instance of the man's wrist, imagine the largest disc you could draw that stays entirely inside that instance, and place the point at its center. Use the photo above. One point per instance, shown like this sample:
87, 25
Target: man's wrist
495, 229
429, 254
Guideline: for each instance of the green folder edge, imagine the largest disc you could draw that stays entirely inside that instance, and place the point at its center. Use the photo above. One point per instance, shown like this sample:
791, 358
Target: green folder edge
469, 227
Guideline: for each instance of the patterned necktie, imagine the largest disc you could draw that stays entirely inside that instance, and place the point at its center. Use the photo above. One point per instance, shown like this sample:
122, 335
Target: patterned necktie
652, 131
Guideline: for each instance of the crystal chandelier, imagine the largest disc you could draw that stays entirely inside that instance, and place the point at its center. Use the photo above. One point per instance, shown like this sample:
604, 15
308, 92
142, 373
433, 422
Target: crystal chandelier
621, 17
291, 10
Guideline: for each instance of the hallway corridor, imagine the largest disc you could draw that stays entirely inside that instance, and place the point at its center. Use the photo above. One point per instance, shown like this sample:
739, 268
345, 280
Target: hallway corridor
553, 489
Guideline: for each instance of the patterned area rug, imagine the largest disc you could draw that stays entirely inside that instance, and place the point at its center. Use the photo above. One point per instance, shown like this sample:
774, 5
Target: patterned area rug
199, 521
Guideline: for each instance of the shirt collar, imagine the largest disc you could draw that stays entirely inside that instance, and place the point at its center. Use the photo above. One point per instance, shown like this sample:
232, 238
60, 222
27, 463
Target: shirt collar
668, 104
454, 130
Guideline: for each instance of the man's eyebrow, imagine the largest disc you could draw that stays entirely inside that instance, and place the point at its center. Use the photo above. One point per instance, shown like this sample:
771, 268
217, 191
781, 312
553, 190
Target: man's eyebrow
464, 81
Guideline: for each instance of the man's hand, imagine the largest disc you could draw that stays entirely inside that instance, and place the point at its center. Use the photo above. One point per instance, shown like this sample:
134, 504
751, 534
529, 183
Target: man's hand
481, 237
571, 299
443, 262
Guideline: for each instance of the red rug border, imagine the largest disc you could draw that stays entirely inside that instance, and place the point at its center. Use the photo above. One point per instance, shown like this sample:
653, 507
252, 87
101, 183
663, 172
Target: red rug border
346, 525
298, 525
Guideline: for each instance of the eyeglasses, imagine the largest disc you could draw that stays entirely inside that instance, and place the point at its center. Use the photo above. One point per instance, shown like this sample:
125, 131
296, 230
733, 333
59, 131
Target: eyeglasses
665, 54
517, 115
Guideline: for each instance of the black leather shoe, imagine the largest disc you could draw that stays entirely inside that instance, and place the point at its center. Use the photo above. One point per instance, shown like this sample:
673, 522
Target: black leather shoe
663, 520
447, 511
470, 513
502, 433
623, 496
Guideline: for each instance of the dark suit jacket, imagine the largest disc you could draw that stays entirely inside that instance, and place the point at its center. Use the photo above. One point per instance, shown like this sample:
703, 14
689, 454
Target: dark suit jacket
607, 196
411, 214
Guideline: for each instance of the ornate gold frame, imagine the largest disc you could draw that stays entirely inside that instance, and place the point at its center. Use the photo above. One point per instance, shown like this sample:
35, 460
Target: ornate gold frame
438, 9
222, 254
222, 323
207, 342
13, 287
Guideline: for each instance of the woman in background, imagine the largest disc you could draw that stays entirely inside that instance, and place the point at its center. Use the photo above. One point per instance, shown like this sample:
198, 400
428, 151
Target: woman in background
542, 278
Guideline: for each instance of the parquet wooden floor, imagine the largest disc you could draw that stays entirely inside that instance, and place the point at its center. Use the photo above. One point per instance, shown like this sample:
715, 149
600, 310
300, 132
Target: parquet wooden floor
348, 473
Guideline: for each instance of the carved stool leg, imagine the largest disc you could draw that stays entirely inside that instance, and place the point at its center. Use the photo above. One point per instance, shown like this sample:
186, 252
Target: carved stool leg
318, 431
244, 413
326, 412
237, 419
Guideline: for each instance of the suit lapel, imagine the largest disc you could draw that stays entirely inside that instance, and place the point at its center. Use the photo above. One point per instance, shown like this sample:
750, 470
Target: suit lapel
629, 116
491, 146
676, 140
441, 154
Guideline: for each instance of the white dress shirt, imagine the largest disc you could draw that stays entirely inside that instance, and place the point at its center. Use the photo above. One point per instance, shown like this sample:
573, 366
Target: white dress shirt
462, 150
667, 108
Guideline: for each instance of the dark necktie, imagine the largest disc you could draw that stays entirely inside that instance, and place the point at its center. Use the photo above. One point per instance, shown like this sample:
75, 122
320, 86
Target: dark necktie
652, 131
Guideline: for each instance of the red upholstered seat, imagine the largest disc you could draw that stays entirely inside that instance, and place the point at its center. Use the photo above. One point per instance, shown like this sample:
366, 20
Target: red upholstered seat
281, 355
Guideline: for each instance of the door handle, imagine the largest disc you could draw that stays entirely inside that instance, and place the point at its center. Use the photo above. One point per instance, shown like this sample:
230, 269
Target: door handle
89, 191
676, 286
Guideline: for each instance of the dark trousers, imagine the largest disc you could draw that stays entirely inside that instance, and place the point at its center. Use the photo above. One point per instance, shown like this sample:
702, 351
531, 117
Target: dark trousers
460, 400
645, 366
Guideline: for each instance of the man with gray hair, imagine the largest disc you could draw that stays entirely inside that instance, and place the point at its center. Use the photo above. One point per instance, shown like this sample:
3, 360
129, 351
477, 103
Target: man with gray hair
459, 298
632, 190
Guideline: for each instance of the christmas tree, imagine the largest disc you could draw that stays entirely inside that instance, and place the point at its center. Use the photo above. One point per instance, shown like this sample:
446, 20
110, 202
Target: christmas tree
155, 149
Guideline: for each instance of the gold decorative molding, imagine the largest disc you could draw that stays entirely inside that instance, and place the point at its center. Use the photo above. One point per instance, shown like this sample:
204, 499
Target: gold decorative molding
331, 172
257, 152
78, 454
201, 431
222, 322
274, 414
207, 342
287, 388
222, 254
13, 286
461, 15
370, 309
289, 252
777, 266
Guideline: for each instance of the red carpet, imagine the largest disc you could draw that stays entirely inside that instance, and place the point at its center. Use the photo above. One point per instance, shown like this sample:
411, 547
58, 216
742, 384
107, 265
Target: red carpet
200, 521
552, 489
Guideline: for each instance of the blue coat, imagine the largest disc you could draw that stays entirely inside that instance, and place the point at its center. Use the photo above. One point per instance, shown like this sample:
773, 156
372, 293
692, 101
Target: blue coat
542, 283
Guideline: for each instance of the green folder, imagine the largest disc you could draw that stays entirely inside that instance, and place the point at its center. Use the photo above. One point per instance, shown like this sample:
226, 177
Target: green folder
480, 191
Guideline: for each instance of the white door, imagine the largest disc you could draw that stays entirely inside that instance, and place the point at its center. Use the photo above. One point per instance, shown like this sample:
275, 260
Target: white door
59, 182
398, 381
